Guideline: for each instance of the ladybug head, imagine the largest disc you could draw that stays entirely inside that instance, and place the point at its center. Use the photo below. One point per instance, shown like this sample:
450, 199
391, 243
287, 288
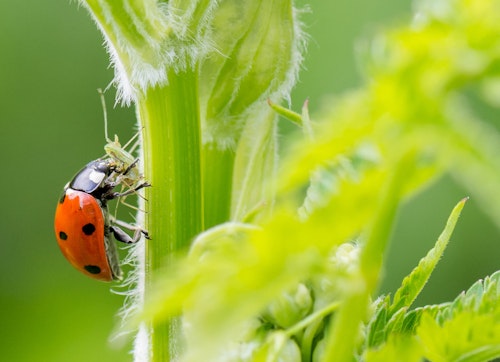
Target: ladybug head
92, 177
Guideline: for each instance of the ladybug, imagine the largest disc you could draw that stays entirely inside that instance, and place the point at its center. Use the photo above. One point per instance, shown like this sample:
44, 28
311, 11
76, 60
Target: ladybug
83, 225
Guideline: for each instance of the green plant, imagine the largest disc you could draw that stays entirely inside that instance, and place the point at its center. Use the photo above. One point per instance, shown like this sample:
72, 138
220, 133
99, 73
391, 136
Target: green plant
284, 264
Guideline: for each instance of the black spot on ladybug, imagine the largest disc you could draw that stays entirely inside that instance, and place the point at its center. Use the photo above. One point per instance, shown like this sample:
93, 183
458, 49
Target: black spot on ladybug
88, 229
92, 269
63, 235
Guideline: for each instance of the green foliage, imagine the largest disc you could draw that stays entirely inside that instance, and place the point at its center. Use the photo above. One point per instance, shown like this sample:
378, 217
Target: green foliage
257, 63
466, 329
290, 268
391, 318
414, 283
463, 330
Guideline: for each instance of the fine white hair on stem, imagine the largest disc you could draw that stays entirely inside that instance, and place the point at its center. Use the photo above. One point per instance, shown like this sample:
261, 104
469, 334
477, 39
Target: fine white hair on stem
132, 287
167, 43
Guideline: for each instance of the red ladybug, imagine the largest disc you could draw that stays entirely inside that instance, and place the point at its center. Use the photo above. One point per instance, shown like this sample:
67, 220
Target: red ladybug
83, 225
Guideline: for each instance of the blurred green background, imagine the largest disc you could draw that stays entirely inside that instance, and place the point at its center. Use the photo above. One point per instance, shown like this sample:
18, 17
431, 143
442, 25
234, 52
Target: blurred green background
51, 64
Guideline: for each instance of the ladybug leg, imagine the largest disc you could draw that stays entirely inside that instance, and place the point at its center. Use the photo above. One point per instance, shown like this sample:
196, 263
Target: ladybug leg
133, 190
122, 236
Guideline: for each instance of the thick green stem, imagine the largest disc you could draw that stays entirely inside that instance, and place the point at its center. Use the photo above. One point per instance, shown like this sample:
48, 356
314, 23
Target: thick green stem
170, 118
344, 331
217, 184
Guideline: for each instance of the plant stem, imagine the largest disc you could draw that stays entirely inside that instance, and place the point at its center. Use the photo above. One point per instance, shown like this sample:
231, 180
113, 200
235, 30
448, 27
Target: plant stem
218, 167
313, 317
169, 116
344, 330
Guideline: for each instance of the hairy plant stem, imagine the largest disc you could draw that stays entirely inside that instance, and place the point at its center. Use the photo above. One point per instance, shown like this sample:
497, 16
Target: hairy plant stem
170, 119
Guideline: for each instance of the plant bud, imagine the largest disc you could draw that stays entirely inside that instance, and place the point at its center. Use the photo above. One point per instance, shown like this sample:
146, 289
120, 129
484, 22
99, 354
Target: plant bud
256, 57
290, 308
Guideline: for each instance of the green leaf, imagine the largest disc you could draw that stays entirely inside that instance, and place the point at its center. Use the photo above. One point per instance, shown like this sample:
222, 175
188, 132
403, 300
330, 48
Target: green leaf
467, 329
397, 349
468, 336
376, 328
392, 318
414, 283
285, 112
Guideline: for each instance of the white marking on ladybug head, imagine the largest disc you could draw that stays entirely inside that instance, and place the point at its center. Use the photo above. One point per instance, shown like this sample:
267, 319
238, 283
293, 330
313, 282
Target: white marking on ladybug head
96, 176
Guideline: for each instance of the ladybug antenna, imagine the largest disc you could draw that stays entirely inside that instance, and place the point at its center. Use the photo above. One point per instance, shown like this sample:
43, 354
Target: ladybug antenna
105, 114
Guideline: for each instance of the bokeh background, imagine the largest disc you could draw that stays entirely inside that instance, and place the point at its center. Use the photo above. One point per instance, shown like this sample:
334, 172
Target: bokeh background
51, 124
